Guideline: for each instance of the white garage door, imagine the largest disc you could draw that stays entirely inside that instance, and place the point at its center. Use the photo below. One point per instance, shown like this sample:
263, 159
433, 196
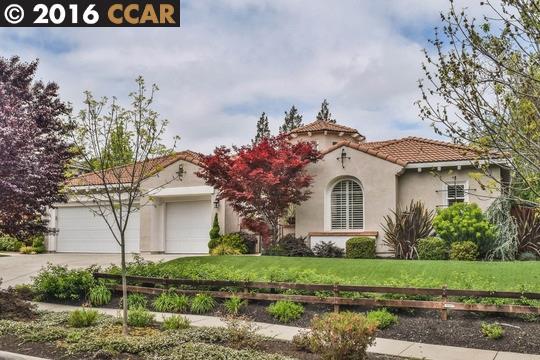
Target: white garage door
80, 230
187, 225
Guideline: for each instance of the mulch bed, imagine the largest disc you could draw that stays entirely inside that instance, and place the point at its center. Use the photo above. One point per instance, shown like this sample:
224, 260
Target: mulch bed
462, 329
14, 307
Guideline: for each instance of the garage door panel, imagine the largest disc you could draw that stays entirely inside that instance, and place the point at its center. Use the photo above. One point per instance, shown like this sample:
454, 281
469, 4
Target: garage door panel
81, 230
187, 226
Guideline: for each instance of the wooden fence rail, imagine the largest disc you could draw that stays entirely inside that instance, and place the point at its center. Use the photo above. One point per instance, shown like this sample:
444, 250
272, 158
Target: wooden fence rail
333, 296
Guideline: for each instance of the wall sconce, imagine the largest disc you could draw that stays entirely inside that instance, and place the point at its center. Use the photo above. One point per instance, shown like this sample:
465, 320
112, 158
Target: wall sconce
216, 203
342, 157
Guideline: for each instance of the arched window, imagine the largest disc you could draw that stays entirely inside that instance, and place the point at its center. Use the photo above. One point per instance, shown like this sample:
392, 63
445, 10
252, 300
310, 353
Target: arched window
347, 205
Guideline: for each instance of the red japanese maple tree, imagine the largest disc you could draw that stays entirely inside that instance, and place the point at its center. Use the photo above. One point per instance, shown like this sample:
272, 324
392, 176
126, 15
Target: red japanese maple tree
260, 181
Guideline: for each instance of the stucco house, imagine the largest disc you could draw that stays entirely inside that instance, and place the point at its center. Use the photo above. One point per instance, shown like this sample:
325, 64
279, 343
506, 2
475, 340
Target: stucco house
356, 184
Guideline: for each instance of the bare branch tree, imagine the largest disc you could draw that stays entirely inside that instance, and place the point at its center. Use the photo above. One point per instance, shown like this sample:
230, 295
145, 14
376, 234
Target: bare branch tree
115, 193
482, 87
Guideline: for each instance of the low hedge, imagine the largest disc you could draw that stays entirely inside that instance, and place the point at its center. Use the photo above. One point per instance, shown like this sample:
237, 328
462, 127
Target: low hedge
464, 250
360, 248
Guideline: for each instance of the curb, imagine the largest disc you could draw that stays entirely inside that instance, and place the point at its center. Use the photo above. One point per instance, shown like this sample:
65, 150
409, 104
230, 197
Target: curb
4, 355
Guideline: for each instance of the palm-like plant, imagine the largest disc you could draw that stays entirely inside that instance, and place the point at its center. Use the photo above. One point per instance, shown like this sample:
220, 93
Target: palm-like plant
528, 228
405, 226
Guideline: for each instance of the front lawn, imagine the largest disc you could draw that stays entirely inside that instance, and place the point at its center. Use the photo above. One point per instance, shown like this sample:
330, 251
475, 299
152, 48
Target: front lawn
516, 276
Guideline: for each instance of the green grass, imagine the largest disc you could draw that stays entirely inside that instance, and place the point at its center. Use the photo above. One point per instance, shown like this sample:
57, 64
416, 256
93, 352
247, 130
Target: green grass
516, 276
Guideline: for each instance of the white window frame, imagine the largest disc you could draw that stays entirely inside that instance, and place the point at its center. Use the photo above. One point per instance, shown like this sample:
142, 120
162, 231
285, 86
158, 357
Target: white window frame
451, 182
328, 206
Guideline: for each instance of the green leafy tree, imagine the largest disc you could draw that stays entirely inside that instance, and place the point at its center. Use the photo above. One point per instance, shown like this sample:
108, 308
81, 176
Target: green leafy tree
481, 88
118, 151
325, 114
263, 129
465, 222
292, 120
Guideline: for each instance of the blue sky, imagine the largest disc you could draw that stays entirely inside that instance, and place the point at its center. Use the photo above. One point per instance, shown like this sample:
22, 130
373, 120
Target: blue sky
233, 59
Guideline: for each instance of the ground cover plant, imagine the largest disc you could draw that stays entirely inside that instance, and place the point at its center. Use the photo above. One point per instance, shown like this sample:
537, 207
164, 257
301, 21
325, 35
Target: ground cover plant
492, 331
285, 311
382, 318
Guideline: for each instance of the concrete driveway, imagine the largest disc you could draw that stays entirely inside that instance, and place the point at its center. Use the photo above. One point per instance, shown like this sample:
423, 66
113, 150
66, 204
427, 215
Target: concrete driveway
18, 269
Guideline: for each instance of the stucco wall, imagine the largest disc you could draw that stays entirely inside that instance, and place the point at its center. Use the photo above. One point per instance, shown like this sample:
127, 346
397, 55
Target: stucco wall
153, 208
429, 186
378, 179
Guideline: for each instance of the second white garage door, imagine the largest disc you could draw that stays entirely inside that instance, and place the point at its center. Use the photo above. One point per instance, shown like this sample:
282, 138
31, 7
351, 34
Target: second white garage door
80, 230
187, 225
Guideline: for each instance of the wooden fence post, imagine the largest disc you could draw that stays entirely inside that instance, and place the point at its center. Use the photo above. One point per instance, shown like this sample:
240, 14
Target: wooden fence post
444, 310
336, 295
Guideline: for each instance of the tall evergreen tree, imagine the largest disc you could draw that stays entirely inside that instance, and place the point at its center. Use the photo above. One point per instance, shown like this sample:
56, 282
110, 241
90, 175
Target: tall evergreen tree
263, 129
325, 114
292, 121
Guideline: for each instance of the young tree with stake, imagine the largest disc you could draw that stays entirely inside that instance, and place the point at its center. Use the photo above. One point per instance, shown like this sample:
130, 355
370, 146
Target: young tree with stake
111, 189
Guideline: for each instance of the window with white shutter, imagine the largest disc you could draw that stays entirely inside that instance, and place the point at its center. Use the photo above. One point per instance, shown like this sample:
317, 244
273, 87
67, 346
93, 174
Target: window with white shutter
455, 193
347, 206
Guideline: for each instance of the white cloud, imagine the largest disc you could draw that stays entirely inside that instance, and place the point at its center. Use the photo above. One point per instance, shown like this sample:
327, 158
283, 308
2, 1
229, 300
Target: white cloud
252, 55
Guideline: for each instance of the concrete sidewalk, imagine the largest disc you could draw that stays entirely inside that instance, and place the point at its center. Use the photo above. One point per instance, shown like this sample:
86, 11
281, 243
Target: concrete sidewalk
382, 346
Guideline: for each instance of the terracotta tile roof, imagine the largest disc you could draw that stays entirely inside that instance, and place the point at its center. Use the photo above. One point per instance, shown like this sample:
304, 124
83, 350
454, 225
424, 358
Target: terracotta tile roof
411, 150
122, 174
320, 125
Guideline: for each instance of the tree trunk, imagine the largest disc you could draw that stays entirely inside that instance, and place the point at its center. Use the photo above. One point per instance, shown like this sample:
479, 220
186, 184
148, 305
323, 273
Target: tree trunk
124, 286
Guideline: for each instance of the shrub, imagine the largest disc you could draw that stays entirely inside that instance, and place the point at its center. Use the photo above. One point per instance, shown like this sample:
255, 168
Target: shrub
492, 331
345, 335
176, 322
504, 245
224, 249
294, 246
432, 248
327, 249
9, 243
202, 304
465, 222
360, 248
405, 226
82, 318
171, 302
285, 311
235, 241
137, 301
59, 282
464, 250
249, 239
27, 250
527, 256
241, 333
527, 221
234, 304
140, 317
214, 231
38, 243
99, 295
382, 318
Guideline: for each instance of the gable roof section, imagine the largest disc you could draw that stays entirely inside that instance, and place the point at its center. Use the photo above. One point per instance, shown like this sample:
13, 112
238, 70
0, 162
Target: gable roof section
122, 174
412, 150
321, 126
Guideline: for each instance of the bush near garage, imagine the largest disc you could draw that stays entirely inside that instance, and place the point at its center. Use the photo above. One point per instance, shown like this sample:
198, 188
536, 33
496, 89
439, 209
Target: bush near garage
9, 243
360, 248
229, 244
432, 248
